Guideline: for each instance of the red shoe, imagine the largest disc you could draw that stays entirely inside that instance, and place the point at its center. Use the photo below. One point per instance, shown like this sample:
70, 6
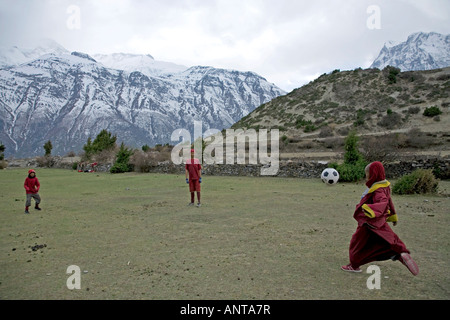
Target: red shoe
406, 259
349, 268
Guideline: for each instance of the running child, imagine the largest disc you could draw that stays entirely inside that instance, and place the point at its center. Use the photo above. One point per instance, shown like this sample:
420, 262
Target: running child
374, 239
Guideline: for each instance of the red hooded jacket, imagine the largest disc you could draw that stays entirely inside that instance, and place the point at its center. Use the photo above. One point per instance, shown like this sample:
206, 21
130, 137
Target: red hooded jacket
31, 185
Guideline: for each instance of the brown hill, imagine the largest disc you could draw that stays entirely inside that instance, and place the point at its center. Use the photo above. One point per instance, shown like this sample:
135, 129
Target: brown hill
408, 111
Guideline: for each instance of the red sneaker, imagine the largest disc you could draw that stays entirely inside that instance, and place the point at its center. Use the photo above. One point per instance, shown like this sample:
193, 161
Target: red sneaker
349, 268
412, 266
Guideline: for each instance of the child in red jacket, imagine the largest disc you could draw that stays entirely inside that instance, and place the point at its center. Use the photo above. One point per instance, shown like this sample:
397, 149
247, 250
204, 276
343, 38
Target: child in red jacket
374, 240
32, 186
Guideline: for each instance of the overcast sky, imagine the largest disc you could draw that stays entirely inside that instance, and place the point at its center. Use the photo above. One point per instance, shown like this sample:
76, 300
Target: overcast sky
289, 42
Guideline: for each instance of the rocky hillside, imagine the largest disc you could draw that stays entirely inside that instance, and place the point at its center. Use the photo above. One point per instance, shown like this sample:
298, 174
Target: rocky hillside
371, 101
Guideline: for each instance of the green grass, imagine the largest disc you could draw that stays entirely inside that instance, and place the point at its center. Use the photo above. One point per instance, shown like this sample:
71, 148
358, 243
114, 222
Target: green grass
134, 237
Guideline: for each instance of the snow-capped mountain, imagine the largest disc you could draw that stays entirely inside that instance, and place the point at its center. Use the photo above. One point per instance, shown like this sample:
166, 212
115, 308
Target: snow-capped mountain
67, 98
145, 64
13, 56
421, 51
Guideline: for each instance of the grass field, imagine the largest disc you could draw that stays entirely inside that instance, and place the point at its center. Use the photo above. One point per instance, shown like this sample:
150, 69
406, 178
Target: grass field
133, 237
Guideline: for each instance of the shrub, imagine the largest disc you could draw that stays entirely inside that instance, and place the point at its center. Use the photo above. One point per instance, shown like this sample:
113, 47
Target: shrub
352, 169
361, 116
333, 143
3, 164
326, 132
417, 139
123, 156
301, 122
310, 128
46, 161
144, 161
381, 148
418, 182
351, 172
432, 111
413, 110
392, 74
390, 120
120, 168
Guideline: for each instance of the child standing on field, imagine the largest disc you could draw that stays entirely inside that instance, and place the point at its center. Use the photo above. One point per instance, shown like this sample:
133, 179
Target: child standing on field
374, 240
32, 186
194, 177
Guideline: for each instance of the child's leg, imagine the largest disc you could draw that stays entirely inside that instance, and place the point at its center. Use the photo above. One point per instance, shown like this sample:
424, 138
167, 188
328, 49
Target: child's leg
197, 188
37, 200
28, 201
192, 197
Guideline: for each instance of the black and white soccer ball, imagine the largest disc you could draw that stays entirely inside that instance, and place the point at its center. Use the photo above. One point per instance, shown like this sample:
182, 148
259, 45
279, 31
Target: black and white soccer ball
330, 176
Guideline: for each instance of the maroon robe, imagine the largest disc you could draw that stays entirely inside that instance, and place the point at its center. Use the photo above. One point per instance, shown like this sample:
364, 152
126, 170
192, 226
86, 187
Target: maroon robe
374, 239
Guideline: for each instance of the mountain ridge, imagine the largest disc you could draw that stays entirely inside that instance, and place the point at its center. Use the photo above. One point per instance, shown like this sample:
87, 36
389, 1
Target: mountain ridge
373, 101
368, 100
421, 51
69, 97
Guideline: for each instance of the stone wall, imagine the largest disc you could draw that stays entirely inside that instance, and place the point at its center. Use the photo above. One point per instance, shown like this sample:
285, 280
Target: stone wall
306, 169
289, 168
400, 168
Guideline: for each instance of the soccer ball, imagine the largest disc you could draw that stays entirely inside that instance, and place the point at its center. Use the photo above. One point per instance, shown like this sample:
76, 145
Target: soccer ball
329, 176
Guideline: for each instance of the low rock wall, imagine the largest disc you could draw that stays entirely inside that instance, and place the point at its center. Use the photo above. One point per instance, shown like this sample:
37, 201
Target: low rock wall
304, 169
289, 168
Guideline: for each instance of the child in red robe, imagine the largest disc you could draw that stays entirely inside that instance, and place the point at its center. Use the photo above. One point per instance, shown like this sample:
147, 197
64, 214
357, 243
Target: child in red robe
374, 240
194, 177
32, 186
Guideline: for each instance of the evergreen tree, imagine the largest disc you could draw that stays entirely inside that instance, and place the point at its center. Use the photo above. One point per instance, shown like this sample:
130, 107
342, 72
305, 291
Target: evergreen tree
2, 150
352, 155
122, 160
48, 148
88, 150
352, 169
104, 141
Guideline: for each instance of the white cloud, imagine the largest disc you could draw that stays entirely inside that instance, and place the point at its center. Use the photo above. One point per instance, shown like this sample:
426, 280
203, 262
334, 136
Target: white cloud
289, 42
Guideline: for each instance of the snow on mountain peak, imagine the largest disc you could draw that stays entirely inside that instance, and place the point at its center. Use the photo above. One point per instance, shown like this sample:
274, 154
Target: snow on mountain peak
72, 96
143, 63
391, 44
421, 51
13, 56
